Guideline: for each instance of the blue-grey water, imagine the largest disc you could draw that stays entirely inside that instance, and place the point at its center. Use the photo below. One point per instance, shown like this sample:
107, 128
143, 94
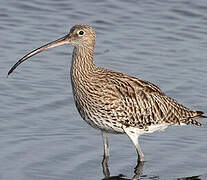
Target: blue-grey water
42, 136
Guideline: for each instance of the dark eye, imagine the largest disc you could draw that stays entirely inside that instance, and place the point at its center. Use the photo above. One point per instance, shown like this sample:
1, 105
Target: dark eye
81, 32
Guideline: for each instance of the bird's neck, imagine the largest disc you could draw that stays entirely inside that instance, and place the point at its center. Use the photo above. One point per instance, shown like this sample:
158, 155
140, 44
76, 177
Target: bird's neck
82, 63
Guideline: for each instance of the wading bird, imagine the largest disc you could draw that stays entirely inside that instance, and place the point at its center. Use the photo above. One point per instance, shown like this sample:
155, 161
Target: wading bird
115, 102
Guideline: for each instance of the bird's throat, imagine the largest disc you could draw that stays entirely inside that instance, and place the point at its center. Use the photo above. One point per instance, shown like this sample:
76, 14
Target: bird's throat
82, 63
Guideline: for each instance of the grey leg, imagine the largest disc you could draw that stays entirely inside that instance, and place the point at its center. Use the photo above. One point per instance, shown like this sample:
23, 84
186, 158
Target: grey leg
139, 152
106, 145
106, 155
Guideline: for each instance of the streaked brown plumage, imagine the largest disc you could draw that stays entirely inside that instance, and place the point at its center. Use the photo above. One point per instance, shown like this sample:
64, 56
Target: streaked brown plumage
115, 102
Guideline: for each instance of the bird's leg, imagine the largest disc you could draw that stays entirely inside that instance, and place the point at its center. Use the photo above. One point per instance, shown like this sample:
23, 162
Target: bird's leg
139, 152
106, 155
106, 145
133, 135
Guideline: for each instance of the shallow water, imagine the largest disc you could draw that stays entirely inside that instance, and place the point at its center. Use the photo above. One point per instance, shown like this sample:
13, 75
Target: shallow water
42, 135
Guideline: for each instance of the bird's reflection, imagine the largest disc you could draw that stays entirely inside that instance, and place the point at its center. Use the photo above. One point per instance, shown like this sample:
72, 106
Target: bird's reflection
137, 173
190, 178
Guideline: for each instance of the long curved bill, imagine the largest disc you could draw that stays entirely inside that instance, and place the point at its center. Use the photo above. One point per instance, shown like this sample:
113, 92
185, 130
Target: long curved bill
58, 42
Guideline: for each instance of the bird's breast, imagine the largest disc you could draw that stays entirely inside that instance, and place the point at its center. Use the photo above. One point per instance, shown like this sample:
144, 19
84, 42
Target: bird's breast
95, 105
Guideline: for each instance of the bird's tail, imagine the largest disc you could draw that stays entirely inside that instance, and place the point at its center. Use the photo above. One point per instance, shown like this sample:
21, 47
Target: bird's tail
197, 114
200, 115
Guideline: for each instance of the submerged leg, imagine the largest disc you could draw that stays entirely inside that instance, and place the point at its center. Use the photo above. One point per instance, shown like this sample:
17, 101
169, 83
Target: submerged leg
106, 155
133, 135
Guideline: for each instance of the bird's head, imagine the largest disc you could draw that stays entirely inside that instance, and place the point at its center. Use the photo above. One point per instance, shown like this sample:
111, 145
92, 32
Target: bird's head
82, 35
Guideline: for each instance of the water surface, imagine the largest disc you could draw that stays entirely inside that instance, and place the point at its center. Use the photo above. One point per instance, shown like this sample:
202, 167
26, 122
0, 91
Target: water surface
42, 135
